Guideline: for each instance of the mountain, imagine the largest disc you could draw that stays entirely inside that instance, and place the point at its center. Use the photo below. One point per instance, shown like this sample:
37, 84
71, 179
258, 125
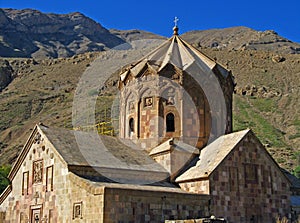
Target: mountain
236, 38
132, 35
31, 33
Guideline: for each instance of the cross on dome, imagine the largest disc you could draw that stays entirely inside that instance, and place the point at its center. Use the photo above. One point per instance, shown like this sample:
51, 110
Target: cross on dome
175, 21
175, 28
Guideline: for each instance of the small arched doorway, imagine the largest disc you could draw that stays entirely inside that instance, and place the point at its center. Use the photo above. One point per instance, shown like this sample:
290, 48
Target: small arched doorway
170, 122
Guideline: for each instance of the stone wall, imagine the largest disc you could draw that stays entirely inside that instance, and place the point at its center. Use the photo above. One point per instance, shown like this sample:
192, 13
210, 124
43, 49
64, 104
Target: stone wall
34, 188
54, 192
250, 179
150, 98
200, 187
151, 206
248, 186
91, 200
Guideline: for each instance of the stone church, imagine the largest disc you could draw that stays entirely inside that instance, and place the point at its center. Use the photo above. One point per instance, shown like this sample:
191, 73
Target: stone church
176, 156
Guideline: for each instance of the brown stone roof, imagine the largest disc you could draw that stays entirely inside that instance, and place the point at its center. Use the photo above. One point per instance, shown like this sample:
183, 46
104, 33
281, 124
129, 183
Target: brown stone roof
98, 187
107, 155
212, 155
171, 144
179, 53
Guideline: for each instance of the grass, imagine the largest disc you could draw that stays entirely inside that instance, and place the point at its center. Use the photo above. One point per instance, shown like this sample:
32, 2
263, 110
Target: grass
296, 123
244, 116
263, 104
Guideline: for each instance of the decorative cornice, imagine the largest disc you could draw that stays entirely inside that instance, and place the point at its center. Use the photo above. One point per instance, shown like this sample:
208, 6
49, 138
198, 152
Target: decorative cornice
22, 155
5, 193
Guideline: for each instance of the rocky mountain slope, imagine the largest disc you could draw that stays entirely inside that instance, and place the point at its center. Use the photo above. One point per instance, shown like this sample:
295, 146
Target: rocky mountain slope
236, 38
132, 35
31, 33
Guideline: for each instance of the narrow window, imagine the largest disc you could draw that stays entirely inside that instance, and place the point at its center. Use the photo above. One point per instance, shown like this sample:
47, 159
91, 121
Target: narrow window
25, 183
77, 210
170, 123
50, 220
131, 125
49, 178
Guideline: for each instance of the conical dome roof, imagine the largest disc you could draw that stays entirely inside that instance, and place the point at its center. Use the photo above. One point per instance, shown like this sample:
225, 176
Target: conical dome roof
179, 53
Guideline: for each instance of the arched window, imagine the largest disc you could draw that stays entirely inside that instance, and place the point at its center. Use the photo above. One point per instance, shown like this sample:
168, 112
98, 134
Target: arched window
131, 125
170, 123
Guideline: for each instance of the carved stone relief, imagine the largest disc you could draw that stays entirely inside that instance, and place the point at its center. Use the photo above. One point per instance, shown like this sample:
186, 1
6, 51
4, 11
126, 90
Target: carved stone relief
38, 171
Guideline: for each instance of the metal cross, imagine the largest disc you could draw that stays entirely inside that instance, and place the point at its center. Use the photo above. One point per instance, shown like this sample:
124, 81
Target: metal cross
176, 20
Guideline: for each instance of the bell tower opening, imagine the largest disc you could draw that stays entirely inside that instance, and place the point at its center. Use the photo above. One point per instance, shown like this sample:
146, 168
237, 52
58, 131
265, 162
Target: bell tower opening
170, 123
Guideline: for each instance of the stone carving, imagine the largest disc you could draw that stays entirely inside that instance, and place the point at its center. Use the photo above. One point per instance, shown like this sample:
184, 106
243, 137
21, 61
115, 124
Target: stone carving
38, 171
148, 102
37, 138
77, 210
170, 101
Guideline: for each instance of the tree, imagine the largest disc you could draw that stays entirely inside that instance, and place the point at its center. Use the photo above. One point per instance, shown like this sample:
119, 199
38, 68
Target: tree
4, 182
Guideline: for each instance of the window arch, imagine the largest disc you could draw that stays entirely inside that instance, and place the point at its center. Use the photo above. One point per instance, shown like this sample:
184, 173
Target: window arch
131, 125
170, 122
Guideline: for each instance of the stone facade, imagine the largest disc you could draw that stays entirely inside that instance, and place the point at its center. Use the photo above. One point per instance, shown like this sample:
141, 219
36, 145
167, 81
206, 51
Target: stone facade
149, 205
162, 100
43, 188
248, 186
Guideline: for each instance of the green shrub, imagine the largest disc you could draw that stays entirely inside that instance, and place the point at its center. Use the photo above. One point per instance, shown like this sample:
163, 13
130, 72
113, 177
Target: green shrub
4, 171
297, 171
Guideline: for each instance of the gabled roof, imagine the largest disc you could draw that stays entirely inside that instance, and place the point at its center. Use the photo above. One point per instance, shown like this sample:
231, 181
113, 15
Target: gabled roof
212, 155
215, 153
110, 157
122, 162
90, 149
179, 53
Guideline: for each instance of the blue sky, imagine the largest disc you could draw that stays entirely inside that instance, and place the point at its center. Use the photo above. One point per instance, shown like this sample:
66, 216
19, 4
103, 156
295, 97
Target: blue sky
157, 16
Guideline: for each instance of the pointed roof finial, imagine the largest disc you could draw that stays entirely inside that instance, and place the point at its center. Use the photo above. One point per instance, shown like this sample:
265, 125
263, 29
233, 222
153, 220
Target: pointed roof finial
175, 28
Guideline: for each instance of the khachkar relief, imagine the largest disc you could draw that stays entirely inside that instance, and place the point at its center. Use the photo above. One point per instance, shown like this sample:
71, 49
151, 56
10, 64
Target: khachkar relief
38, 171
148, 102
